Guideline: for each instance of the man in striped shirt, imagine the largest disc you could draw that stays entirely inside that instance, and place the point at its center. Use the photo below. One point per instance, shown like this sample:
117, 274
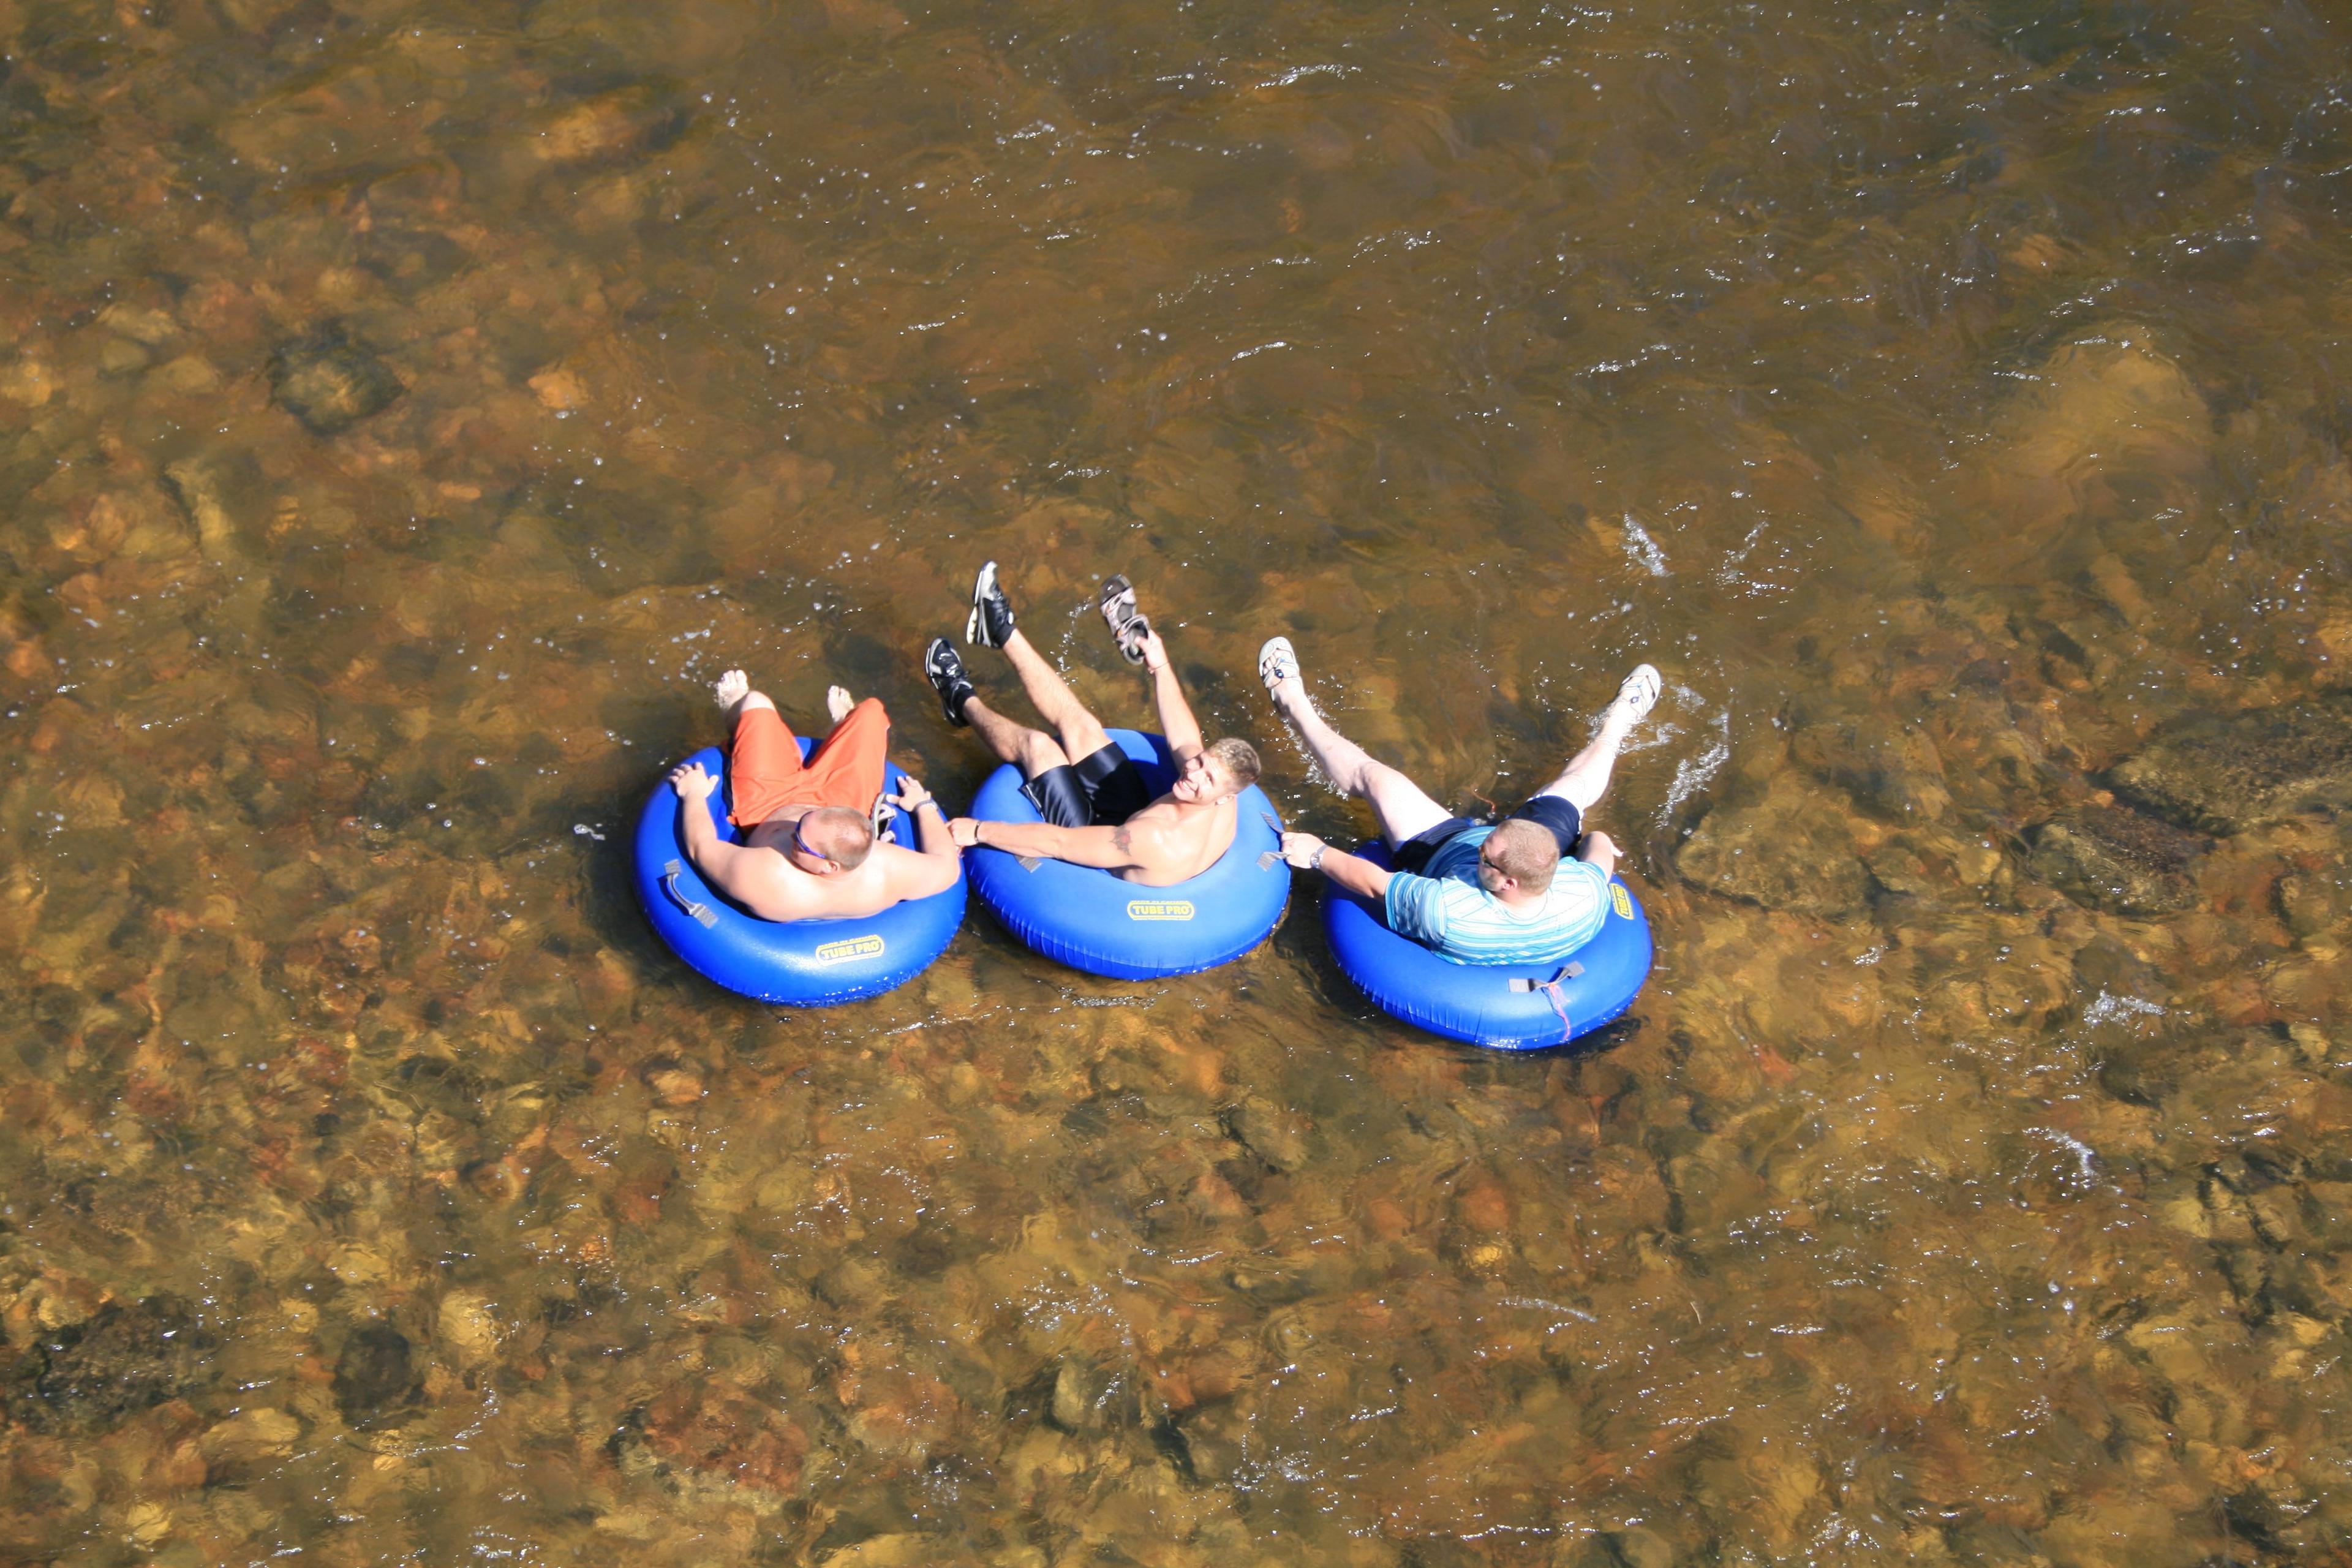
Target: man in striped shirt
1520, 891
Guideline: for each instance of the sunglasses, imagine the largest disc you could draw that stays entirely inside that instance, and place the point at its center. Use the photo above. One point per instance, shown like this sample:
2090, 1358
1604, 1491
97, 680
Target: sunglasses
802, 846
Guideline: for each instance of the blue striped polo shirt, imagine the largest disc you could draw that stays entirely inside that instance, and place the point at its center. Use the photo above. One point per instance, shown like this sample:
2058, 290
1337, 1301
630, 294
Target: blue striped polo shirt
1446, 909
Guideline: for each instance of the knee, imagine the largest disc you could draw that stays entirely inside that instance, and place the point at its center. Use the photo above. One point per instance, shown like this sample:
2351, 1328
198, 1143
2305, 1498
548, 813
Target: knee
1577, 793
1040, 753
1600, 849
756, 701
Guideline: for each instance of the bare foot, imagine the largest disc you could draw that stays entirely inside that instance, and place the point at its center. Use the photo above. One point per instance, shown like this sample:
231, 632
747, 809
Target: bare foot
839, 702
730, 688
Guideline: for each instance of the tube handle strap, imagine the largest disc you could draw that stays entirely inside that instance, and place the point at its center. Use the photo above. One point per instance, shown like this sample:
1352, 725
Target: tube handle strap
1523, 984
702, 913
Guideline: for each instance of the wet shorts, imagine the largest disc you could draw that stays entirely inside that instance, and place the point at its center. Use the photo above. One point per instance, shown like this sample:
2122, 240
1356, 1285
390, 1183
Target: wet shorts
1567, 825
1100, 791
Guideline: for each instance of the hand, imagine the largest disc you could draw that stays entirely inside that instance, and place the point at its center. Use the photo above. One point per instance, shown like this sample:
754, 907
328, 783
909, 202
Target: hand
913, 797
1155, 652
1301, 849
691, 782
965, 831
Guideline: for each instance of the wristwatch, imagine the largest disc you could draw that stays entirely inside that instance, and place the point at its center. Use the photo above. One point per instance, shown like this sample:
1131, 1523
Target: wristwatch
1315, 861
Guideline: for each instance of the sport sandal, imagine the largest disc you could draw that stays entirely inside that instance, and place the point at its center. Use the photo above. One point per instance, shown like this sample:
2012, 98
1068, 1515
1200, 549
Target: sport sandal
1277, 661
1127, 624
990, 625
1640, 692
945, 671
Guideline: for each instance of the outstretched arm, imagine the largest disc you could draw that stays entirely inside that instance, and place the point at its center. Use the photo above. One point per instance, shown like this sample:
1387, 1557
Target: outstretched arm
1176, 721
1110, 848
1353, 872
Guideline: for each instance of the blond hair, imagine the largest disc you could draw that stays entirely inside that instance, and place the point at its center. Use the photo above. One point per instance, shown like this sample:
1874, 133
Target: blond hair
1239, 758
1526, 852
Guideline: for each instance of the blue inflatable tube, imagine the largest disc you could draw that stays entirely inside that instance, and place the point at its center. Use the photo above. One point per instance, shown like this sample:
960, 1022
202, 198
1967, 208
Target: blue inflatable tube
1090, 920
1550, 1004
800, 963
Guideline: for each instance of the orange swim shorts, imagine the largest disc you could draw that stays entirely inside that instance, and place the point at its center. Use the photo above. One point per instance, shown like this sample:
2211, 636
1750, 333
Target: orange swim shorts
765, 774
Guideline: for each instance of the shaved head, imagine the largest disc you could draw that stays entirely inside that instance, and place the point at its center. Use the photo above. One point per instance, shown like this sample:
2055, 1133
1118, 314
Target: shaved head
839, 834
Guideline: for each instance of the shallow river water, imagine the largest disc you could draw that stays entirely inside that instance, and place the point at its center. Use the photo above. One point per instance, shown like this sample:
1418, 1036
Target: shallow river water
407, 410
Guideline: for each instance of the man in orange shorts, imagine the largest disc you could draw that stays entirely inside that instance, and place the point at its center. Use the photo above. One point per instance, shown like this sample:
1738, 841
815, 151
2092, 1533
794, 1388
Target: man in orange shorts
809, 850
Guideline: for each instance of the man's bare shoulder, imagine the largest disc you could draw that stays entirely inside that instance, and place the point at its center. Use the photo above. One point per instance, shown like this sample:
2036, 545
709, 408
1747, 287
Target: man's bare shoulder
771, 888
1169, 812
900, 868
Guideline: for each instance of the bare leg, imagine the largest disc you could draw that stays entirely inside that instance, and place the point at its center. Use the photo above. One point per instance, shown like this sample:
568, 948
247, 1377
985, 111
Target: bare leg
733, 692
1031, 751
1402, 806
1082, 734
1586, 778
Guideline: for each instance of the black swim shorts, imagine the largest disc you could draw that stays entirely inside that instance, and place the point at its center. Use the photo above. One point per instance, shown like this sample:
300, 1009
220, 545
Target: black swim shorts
1567, 825
1099, 791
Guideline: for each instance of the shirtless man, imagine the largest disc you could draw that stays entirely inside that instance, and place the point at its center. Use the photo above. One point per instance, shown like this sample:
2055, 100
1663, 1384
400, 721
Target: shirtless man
1531, 888
1097, 809
809, 850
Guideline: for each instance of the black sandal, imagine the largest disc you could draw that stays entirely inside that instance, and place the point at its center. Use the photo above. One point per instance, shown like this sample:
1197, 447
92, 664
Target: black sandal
1127, 625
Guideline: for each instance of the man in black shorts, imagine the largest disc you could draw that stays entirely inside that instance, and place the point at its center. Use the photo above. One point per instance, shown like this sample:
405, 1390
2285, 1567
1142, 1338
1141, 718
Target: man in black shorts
1097, 809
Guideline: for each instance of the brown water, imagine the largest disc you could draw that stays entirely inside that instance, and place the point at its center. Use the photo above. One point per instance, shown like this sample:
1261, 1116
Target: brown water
1949, 400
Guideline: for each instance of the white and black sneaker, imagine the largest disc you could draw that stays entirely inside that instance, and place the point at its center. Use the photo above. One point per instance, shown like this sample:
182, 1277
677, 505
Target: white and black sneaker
990, 625
945, 671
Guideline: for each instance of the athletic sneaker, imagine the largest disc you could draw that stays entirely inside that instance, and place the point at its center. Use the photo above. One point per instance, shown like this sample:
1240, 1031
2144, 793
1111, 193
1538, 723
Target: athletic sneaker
990, 625
946, 673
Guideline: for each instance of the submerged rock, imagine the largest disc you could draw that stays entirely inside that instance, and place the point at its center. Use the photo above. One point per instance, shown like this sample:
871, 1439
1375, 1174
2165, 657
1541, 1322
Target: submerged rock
1089, 1397
1887, 767
1211, 1445
643, 117
2116, 859
2224, 773
1269, 1132
1788, 851
221, 492
123, 1359
377, 1384
329, 382
2110, 426
248, 1440
712, 1432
